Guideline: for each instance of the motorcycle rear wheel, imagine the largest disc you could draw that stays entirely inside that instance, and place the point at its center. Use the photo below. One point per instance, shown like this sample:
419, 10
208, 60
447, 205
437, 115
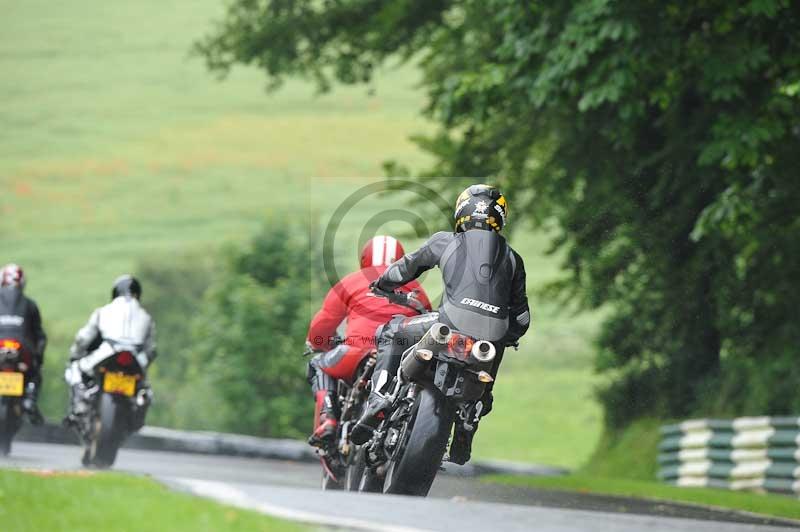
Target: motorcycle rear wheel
9, 425
110, 427
361, 478
414, 467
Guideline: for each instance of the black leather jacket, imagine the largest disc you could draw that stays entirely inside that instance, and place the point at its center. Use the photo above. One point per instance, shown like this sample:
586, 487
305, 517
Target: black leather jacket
20, 319
484, 283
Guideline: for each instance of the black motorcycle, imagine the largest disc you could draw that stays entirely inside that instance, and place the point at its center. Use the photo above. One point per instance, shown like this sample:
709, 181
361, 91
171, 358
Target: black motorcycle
117, 399
15, 363
438, 385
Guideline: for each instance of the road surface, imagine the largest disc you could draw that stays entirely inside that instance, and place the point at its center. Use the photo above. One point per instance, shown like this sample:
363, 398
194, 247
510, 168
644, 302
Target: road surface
291, 490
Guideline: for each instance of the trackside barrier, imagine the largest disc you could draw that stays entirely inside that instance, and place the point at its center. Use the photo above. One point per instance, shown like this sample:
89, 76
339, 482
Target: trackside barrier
747, 453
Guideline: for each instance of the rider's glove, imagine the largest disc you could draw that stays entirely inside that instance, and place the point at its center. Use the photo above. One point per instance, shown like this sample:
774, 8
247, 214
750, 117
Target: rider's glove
375, 286
413, 301
73, 374
311, 349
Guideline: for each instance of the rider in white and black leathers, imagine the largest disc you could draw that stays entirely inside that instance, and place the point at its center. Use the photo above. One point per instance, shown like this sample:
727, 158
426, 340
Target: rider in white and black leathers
484, 297
123, 321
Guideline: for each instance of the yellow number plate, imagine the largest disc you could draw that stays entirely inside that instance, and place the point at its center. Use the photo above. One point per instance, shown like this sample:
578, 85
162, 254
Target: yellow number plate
11, 383
119, 383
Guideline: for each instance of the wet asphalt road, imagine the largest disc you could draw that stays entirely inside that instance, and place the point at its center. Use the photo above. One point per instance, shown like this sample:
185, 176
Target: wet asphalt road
291, 490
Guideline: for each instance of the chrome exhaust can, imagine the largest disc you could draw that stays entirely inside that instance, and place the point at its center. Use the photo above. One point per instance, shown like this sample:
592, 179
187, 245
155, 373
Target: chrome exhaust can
415, 364
483, 351
436, 337
440, 333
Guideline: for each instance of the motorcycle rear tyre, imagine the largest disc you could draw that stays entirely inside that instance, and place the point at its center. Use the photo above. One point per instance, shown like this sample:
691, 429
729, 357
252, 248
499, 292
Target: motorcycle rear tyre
413, 472
9, 424
110, 427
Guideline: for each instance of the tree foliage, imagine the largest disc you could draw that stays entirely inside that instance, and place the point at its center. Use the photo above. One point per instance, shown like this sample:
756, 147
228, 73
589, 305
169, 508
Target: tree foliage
234, 362
251, 331
661, 136
173, 291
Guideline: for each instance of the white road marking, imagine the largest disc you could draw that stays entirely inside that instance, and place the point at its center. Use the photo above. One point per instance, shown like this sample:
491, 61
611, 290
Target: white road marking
228, 494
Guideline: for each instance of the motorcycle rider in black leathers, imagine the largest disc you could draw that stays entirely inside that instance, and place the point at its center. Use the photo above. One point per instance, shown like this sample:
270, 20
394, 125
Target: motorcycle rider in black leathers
484, 297
20, 320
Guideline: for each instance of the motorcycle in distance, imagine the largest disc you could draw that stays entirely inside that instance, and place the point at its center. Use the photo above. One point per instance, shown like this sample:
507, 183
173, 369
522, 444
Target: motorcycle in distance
340, 465
113, 387
15, 361
437, 386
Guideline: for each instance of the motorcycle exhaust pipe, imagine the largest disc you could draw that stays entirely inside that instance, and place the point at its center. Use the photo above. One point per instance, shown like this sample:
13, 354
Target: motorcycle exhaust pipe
483, 351
415, 363
436, 337
440, 333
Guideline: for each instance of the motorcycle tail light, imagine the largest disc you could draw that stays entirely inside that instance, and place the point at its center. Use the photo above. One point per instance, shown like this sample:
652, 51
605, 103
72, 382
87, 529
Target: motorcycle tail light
10, 344
460, 345
125, 358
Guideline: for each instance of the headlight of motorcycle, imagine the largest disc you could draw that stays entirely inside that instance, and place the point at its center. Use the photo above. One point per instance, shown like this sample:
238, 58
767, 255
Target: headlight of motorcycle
483, 351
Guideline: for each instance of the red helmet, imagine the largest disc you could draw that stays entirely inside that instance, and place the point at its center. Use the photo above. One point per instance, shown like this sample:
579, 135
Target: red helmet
12, 275
381, 251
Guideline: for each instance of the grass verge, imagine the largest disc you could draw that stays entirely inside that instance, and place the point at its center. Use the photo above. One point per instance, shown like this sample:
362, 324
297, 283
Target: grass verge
78, 501
631, 453
765, 504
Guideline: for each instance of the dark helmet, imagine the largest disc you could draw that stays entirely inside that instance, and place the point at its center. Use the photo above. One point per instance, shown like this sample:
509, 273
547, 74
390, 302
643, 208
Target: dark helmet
481, 207
126, 285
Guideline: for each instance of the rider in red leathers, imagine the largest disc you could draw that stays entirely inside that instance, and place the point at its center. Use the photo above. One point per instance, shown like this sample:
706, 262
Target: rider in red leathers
350, 299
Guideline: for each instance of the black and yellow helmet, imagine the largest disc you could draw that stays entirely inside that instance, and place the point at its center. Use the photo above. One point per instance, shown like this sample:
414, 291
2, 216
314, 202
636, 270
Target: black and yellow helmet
481, 207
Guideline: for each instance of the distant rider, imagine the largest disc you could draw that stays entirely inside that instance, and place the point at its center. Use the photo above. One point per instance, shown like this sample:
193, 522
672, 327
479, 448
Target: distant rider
21, 321
123, 321
350, 299
484, 297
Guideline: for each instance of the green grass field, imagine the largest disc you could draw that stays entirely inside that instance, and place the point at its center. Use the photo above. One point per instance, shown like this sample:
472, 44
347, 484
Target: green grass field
118, 148
120, 503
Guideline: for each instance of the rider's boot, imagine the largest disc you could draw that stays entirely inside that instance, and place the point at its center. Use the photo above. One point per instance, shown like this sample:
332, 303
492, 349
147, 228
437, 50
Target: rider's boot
372, 416
461, 448
78, 405
29, 405
325, 421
